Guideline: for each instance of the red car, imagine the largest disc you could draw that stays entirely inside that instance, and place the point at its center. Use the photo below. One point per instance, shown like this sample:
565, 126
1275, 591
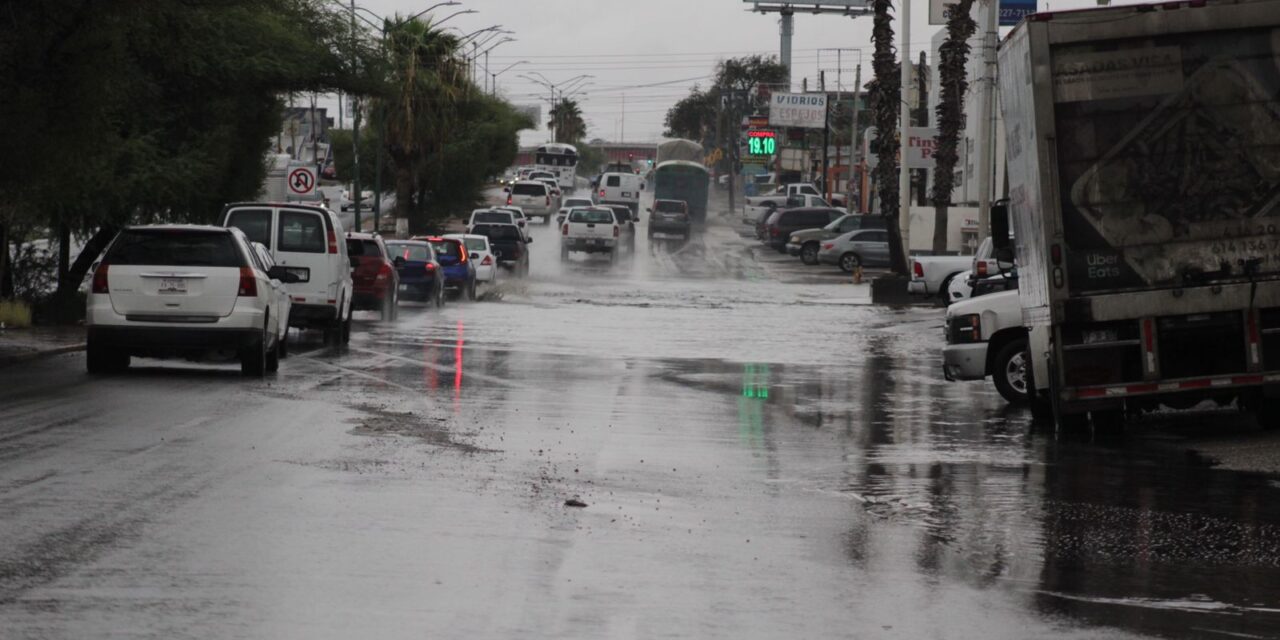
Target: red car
374, 275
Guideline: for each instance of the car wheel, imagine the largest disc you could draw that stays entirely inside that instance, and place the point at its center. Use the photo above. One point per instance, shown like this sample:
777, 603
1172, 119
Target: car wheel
809, 253
1011, 372
273, 359
850, 262
439, 296
471, 291
253, 357
282, 344
944, 291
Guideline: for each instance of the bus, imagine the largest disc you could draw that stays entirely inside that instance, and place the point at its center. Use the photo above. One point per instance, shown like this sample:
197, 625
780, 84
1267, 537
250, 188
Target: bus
683, 180
561, 160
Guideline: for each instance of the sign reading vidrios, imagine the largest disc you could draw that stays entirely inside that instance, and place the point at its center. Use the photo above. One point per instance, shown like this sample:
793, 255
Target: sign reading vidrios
808, 110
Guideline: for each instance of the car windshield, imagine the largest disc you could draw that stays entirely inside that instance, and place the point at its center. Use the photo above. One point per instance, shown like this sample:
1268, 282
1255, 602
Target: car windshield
446, 248
175, 248
491, 216
409, 251
499, 231
592, 216
362, 248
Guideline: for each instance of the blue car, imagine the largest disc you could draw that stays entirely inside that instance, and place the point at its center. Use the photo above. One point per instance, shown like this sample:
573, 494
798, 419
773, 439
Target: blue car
459, 271
421, 275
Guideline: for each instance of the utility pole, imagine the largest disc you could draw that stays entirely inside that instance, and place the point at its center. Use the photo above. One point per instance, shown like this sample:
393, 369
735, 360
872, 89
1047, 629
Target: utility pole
904, 174
826, 136
853, 152
788, 29
623, 136
986, 159
355, 138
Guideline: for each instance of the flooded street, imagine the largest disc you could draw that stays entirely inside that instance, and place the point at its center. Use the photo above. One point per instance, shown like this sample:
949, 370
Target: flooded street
762, 454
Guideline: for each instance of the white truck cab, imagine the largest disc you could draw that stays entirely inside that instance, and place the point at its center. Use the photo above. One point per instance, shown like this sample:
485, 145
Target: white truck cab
985, 337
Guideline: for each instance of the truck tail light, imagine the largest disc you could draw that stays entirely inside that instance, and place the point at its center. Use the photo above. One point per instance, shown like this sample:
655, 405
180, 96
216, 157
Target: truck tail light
384, 271
602, 193
333, 241
249, 283
917, 269
548, 201
616, 231
982, 268
1055, 254
100, 279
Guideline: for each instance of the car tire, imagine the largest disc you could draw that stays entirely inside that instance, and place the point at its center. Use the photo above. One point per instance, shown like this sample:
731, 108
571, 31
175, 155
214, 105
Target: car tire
1010, 372
850, 262
809, 253
282, 343
273, 359
944, 291
439, 296
471, 291
388, 311
253, 357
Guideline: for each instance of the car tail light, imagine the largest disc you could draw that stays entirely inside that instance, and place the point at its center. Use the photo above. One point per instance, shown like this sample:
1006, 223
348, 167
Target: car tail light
249, 283
982, 268
333, 241
616, 231
828, 246
917, 269
602, 193
431, 267
508, 199
100, 279
774, 231
488, 260
462, 259
384, 271
564, 230
548, 200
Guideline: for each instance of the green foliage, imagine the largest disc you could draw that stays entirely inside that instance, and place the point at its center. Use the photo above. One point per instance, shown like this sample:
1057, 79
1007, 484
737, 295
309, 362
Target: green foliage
693, 117
566, 122
344, 159
144, 111
590, 159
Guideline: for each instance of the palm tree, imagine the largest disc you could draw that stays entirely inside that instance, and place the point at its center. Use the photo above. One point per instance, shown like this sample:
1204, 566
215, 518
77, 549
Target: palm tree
425, 79
886, 95
566, 121
953, 57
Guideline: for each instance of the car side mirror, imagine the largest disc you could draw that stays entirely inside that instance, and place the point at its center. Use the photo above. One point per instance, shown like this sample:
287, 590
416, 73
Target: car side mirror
398, 262
528, 241
283, 275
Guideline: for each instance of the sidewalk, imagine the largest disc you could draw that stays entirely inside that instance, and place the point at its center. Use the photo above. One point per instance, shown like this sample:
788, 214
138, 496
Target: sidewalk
21, 345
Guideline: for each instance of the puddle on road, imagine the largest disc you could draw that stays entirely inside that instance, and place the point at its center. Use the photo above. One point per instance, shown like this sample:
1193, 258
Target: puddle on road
378, 421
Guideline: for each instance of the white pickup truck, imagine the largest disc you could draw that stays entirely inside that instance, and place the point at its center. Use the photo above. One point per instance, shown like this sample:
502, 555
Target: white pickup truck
986, 337
590, 230
752, 213
778, 197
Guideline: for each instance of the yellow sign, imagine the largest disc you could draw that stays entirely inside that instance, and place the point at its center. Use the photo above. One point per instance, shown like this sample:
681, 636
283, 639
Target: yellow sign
715, 156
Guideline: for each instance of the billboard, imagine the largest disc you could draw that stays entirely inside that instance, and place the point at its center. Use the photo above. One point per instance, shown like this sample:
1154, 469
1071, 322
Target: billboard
1011, 11
807, 110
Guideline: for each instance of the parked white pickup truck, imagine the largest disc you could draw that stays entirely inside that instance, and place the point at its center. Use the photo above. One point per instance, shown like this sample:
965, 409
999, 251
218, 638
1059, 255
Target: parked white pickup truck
932, 275
986, 337
590, 230
778, 197
752, 213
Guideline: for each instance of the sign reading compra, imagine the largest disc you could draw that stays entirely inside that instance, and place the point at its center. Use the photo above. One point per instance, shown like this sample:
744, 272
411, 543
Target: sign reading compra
808, 110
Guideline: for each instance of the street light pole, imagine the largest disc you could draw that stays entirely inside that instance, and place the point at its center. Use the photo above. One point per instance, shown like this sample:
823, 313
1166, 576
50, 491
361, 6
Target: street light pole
494, 89
355, 138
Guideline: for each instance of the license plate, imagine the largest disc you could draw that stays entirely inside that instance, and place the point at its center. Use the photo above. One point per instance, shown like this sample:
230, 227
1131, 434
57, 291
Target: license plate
593, 242
173, 285
404, 287
627, 194
303, 273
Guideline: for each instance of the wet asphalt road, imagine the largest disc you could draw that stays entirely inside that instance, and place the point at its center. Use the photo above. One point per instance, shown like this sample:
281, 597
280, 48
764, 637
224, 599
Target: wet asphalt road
762, 453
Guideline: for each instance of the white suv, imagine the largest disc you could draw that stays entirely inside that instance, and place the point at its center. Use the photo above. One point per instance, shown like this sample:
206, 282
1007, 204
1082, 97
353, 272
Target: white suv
185, 291
309, 242
534, 198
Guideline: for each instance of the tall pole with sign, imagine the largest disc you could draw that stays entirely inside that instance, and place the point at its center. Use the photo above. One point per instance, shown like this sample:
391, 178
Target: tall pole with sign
853, 152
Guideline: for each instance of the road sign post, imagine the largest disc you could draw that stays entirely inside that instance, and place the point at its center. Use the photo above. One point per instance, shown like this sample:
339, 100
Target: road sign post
302, 181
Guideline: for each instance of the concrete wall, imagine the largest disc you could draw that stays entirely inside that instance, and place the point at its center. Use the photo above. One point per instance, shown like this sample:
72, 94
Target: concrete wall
962, 229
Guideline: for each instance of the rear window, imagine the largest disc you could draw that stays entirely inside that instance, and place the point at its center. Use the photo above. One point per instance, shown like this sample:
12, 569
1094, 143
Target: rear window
492, 216
255, 223
498, 232
447, 248
175, 248
668, 206
414, 252
363, 248
613, 181
577, 202
592, 216
813, 219
529, 190
476, 244
300, 233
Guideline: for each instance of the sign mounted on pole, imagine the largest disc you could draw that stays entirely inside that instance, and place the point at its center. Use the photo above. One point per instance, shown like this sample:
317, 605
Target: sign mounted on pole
302, 181
1011, 11
761, 143
807, 110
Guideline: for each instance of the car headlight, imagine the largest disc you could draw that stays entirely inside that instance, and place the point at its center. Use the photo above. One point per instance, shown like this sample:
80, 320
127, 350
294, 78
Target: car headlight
794, 240
965, 328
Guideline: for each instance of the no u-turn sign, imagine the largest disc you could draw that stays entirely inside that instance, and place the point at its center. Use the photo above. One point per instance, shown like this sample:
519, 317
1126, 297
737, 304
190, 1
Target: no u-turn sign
302, 181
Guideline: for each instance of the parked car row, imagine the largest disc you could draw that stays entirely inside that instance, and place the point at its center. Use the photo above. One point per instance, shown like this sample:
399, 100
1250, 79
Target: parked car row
231, 292
826, 235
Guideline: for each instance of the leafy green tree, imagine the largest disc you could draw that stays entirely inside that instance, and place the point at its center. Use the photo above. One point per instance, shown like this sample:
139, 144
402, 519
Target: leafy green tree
147, 111
693, 117
953, 57
566, 122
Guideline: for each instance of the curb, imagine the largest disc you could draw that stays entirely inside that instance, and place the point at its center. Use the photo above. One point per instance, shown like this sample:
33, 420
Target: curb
6, 361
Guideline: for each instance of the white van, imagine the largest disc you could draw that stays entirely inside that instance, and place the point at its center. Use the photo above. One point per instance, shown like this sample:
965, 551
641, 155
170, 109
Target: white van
309, 242
620, 188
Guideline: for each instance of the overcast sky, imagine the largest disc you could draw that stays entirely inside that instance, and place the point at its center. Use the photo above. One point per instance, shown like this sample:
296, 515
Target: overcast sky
646, 54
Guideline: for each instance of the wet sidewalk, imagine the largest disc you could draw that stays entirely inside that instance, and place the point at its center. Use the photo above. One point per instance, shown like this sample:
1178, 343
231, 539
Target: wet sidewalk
21, 345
